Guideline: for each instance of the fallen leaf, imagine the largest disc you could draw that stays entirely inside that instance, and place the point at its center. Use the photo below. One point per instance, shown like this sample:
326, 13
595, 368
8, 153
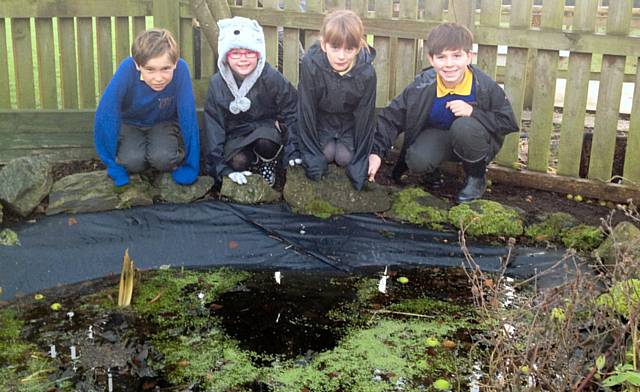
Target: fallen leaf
72, 221
233, 244
215, 307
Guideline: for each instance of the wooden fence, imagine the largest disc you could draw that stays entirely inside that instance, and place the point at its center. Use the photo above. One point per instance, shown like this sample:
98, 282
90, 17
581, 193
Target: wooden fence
56, 57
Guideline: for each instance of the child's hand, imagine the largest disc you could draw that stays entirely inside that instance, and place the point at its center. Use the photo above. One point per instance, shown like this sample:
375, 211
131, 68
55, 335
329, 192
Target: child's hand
460, 108
239, 178
374, 165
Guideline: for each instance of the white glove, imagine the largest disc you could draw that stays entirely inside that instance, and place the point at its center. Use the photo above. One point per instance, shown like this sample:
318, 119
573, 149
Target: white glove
293, 162
239, 177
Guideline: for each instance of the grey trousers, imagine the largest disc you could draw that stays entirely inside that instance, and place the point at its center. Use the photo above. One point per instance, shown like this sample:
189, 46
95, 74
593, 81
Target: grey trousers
467, 140
160, 147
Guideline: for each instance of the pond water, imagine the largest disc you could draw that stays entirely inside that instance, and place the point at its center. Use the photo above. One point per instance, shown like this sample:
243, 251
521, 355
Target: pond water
231, 330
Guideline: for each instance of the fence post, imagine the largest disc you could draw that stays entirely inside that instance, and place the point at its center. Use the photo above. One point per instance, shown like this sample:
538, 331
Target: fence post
166, 15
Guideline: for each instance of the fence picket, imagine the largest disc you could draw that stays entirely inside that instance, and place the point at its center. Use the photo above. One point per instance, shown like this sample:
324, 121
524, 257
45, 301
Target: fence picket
312, 35
46, 63
631, 170
271, 35
68, 63
576, 92
123, 42
23, 63
383, 55
488, 54
544, 79
139, 25
5, 94
405, 49
515, 80
611, 77
86, 68
291, 46
186, 45
105, 52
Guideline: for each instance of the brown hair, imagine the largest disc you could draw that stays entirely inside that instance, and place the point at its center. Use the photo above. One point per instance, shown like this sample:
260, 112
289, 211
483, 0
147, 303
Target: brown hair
343, 28
449, 36
152, 43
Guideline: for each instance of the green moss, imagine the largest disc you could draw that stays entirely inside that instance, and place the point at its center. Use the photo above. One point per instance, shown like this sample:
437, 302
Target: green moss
582, 237
551, 228
214, 362
622, 296
429, 306
321, 209
377, 359
22, 367
412, 205
165, 291
486, 217
194, 347
9, 237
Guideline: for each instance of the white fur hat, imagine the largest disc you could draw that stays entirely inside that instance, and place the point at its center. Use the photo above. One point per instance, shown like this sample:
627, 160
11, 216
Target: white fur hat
240, 33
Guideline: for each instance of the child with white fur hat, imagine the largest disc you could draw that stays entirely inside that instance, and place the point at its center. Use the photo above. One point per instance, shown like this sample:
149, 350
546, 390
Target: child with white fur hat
248, 105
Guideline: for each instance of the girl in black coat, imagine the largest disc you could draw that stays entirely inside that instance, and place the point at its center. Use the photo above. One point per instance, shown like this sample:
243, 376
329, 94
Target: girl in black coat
336, 100
248, 104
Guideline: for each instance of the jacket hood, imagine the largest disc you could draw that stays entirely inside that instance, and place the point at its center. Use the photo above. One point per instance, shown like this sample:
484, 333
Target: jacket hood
319, 57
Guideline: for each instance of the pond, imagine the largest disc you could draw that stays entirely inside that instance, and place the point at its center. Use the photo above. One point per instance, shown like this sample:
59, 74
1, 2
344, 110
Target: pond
232, 330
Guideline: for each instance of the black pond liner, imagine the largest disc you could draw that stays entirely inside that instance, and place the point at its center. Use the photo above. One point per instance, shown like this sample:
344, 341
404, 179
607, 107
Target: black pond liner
66, 248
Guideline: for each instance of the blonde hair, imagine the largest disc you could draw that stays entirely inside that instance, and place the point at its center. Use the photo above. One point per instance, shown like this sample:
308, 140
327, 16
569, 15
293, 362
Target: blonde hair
153, 43
343, 29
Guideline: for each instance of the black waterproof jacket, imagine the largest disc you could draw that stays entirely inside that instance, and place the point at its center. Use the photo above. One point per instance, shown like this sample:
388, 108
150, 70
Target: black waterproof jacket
409, 111
331, 104
272, 98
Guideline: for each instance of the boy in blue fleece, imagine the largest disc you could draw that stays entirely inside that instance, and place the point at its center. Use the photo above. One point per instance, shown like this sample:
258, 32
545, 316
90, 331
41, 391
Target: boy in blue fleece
147, 116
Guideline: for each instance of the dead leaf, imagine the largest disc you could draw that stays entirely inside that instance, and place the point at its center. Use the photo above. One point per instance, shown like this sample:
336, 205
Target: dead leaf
72, 221
233, 244
215, 307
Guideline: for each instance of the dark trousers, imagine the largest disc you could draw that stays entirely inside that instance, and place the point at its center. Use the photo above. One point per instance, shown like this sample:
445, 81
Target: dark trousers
467, 140
160, 147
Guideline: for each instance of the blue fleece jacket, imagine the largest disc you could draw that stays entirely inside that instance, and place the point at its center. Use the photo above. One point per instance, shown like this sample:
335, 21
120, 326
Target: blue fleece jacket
128, 99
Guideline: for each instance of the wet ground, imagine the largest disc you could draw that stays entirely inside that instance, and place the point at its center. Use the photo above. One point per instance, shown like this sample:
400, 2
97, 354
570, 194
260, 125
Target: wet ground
231, 331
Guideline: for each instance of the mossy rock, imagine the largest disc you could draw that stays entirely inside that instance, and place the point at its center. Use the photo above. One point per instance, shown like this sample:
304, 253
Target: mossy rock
486, 217
95, 191
419, 207
621, 296
582, 237
26, 181
170, 191
255, 191
333, 194
623, 242
551, 227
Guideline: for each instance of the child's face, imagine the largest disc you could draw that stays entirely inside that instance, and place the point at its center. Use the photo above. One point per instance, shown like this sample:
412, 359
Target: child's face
157, 72
451, 65
340, 59
242, 61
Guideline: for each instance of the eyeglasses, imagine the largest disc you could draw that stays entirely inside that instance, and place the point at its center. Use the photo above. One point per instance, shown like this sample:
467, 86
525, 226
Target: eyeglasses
237, 53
